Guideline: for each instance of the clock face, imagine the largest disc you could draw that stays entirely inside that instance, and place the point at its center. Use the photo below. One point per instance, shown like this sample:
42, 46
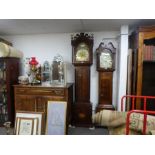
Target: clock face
82, 53
105, 60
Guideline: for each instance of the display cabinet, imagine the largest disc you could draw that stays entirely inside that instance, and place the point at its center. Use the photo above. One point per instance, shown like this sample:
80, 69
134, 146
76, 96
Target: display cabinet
142, 42
9, 72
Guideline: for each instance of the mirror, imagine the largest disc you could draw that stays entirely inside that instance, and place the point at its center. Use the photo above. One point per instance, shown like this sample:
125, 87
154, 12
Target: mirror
58, 71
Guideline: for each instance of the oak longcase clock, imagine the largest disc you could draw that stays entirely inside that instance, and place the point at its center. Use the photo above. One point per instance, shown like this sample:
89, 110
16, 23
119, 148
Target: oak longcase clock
82, 54
105, 66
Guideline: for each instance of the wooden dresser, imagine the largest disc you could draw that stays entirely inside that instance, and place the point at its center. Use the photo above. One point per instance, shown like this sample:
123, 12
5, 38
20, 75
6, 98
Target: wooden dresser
35, 98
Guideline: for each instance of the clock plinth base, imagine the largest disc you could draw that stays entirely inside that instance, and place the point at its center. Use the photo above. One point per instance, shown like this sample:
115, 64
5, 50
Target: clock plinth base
105, 106
82, 114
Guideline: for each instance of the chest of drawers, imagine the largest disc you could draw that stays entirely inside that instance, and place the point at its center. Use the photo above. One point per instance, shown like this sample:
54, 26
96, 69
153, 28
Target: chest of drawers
35, 98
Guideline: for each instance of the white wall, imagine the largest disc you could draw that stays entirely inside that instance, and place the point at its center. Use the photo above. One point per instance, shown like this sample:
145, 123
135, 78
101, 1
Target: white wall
122, 63
46, 46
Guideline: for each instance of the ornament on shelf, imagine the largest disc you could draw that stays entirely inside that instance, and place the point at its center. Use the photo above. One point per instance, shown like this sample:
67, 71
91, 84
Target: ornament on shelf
35, 70
27, 68
7, 126
46, 72
58, 71
33, 62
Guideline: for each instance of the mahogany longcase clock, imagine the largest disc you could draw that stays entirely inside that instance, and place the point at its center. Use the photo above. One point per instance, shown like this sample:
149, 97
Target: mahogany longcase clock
82, 57
105, 66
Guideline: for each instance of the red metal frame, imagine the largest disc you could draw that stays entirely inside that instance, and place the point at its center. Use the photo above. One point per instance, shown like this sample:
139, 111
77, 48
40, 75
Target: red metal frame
144, 111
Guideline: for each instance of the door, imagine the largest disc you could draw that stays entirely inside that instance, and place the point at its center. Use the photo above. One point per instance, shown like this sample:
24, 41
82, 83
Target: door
105, 88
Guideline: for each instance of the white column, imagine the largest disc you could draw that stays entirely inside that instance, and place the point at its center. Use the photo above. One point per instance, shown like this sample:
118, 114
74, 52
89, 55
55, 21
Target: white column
122, 67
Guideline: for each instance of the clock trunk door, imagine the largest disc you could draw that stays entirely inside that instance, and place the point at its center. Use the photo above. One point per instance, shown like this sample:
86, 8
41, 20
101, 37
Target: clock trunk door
82, 84
105, 88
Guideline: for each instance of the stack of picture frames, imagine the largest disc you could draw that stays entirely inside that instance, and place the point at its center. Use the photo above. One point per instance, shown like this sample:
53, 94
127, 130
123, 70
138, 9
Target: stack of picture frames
32, 123
29, 123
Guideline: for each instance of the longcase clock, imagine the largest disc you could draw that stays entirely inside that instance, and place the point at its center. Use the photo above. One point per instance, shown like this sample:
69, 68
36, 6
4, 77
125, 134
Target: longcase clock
82, 56
105, 66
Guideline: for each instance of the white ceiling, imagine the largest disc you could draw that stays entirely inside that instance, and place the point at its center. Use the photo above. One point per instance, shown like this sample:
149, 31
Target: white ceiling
40, 26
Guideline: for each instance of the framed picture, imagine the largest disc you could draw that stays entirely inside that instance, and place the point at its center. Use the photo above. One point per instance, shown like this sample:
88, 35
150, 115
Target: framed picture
28, 123
56, 118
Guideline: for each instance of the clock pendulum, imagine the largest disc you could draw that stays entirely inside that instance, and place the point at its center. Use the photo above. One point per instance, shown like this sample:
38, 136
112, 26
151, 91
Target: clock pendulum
82, 56
105, 58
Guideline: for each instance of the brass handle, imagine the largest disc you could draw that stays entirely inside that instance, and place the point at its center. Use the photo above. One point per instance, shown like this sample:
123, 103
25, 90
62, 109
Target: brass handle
58, 92
21, 90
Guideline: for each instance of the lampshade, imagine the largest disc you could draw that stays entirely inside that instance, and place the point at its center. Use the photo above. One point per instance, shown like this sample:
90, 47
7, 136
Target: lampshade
33, 61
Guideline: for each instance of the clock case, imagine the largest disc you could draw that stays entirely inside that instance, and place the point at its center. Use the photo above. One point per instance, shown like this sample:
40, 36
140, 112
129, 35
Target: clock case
82, 108
103, 49
76, 41
105, 78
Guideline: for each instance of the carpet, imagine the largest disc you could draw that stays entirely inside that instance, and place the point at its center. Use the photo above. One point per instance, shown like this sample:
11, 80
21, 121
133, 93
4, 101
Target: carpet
73, 131
87, 131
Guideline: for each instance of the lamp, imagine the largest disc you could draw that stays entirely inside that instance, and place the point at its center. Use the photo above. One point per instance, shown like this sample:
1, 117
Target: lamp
33, 66
33, 62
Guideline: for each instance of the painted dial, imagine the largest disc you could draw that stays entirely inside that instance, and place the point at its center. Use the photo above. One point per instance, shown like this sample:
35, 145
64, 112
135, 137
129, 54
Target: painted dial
105, 61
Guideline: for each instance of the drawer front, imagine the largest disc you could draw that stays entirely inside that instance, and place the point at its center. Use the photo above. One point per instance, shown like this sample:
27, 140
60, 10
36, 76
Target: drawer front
24, 103
59, 98
36, 91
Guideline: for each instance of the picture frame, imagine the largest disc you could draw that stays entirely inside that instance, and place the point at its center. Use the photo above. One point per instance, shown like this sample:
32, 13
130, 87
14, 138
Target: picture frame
26, 126
56, 118
29, 123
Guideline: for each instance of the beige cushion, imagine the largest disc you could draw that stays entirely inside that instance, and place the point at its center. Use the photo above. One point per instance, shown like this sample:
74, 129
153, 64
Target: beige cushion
115, 120
109, 118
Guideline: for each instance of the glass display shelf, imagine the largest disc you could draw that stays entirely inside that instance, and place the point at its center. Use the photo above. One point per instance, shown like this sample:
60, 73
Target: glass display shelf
3, 94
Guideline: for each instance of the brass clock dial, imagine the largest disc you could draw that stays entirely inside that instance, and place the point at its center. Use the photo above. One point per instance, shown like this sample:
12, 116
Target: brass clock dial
82, 53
